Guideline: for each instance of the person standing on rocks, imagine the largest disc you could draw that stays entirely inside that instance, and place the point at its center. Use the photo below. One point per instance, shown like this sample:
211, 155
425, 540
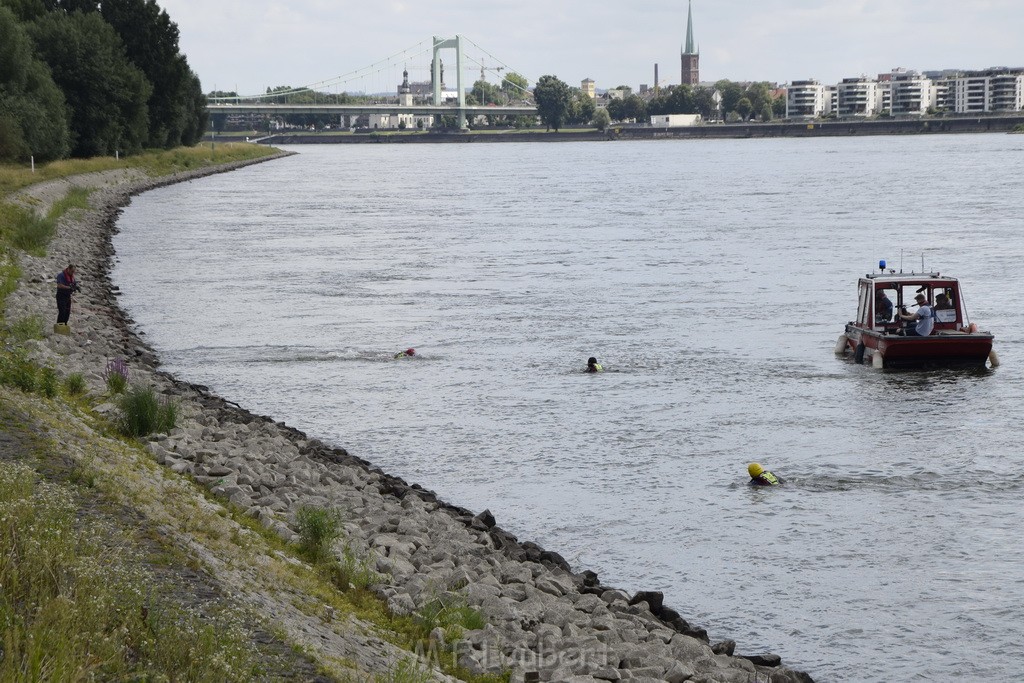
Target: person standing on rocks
66, 286
759, 476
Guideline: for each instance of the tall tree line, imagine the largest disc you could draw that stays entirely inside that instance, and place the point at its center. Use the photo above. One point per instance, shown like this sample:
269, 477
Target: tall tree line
86, 78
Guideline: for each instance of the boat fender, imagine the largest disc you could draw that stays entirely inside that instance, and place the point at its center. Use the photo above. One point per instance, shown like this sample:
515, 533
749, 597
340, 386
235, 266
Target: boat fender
858, 354
971, 329
993, 359
878, 360
841, 344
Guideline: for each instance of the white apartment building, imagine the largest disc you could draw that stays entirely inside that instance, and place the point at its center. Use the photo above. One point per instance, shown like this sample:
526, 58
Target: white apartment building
911, 94
976, 92
1007, 92
971, 94
807, 100
858, 97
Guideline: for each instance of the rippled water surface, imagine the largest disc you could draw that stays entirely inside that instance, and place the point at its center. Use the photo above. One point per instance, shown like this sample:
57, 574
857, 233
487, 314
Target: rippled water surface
712, 279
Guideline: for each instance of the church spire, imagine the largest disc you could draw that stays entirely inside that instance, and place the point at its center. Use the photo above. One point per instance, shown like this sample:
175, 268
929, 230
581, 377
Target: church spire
690, 57
688, 50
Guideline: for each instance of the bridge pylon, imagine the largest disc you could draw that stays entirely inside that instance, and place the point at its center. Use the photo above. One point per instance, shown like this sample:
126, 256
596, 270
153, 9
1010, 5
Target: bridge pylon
448, 43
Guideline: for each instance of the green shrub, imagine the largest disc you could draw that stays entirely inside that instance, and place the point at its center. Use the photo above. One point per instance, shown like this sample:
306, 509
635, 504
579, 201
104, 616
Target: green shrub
16, 370
405, 671
29, 327
74, 384
352, 571
29, 232
318, 529
452, 613
47, 381
116, 375
141, 413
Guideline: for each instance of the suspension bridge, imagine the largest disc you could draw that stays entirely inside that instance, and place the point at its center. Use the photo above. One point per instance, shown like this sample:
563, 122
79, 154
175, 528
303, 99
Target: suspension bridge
438, 102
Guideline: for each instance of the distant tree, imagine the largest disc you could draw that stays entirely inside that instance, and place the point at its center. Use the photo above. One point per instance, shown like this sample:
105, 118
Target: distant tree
635, 108
553, 101
25, 10
106, 94
766, 112
616, 109
515, 86
151, 42
731, 93
33, 121
743, 108
601, 119
779, 107
704, 103
581, 109
486, 93
677, 99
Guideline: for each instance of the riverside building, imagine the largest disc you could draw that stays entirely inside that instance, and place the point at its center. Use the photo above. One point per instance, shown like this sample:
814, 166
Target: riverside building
905, 93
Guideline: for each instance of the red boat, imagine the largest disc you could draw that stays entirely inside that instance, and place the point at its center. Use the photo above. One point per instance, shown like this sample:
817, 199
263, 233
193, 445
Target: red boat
879, 333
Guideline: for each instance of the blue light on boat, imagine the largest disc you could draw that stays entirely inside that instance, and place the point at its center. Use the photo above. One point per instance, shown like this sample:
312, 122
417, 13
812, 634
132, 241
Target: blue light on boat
881, 264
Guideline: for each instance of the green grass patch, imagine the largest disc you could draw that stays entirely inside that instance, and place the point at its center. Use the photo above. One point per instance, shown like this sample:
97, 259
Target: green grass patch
74, 384
76, 606
318, 529
24, 329
141, 413
16, 370
154, 162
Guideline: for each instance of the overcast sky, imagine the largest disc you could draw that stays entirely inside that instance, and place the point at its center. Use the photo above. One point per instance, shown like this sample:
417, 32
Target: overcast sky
251, 45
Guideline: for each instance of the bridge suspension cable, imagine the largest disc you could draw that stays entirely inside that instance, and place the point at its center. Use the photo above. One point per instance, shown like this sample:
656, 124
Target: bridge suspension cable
364, 72
424, 47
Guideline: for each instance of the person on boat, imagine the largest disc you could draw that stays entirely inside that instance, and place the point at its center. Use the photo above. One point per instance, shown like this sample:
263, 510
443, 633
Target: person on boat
408, 353
923, 317
593, 365
942, 302
759, 476
883, 307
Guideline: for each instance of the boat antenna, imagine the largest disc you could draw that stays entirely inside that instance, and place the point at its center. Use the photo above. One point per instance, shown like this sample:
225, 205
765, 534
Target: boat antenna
922, 262
901, 261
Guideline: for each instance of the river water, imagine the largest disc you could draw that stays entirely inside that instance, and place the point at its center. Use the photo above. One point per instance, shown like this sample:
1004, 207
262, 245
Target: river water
712, 279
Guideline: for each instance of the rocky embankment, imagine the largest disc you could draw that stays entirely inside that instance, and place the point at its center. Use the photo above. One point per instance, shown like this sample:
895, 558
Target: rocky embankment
544, 621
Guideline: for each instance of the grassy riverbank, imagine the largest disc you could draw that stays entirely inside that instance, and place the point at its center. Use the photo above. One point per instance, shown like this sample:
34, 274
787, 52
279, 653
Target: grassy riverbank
113, 567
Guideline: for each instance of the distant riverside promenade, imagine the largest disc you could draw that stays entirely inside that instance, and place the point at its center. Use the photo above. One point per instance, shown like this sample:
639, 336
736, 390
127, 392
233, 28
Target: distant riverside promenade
788, 129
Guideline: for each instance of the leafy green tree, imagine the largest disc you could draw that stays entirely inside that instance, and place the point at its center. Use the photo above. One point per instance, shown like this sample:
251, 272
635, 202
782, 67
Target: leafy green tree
486, 93
704, 103
779, 107
601, 119
106, 94
554, 101
635, 108
616, 109
33, 121
743, 108
677, 99
515, 86
581, 108
151, 43
731, 94
766, 112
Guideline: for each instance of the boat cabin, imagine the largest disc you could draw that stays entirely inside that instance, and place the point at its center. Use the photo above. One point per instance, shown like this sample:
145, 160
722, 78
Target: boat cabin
882, 296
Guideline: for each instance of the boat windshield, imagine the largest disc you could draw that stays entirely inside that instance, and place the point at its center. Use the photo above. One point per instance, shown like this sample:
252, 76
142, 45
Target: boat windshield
881, 303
